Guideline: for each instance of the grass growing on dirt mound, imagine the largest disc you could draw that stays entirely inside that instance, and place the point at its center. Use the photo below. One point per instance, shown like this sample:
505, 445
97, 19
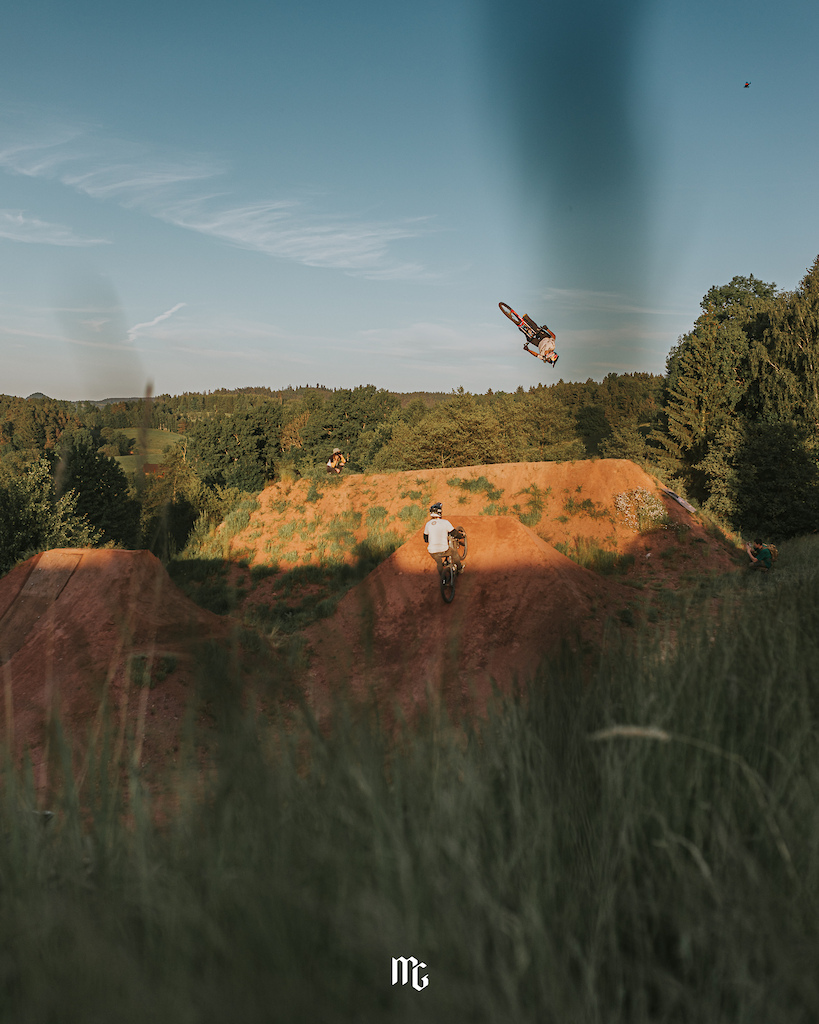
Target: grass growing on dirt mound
591, 556
301, 593
645, 848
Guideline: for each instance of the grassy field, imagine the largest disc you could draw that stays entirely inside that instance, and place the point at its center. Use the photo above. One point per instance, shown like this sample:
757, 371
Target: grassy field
155, 442
641, 849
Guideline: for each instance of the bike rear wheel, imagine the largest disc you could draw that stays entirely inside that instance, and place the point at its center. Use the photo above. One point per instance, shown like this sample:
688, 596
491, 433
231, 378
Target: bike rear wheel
448, 583
460, 543
508, 311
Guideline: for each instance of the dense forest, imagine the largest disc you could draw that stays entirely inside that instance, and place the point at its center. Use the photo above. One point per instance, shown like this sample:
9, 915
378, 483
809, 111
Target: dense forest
733, 423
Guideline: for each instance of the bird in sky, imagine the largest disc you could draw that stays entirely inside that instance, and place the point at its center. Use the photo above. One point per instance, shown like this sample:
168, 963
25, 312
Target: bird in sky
746, 85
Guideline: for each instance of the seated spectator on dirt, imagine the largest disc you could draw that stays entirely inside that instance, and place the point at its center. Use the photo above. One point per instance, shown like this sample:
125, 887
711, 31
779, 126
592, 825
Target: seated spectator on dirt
336, 461
760, 555
438, 536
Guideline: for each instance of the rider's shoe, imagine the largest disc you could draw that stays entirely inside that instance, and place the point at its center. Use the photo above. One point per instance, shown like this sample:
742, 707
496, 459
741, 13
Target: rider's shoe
554, 361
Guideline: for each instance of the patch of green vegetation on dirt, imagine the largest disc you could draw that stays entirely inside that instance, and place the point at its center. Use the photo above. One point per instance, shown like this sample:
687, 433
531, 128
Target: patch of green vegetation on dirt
376, 514
205, 581
593, 509
339, 532
413, 516
591, 556
534, 505
313, 494
147, 671
262, 572
478, 485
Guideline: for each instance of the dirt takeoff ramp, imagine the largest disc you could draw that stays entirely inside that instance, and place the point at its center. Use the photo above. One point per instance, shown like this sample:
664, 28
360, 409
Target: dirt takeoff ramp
80, 628
518, 599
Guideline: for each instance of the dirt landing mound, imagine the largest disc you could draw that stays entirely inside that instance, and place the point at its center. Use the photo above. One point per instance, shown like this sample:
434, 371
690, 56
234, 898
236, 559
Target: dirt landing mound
564, 503
516, 602
79, 627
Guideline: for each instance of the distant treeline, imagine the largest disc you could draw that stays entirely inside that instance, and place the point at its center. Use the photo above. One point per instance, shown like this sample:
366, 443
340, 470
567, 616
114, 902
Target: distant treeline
733, 422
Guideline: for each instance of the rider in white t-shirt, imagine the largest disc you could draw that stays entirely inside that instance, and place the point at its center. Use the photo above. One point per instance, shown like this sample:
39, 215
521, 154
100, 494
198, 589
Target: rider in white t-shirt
437, 534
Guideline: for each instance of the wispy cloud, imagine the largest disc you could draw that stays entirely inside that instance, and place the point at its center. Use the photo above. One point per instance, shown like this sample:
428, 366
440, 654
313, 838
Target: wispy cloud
179, 189
16, 226
133, 332
288, 230
612, 302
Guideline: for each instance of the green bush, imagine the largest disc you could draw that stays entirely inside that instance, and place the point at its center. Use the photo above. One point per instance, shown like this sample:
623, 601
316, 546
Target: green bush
477, 485
591, 556
33, 519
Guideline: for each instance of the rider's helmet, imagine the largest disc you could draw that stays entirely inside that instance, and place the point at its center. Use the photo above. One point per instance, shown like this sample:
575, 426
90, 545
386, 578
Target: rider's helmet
436, 510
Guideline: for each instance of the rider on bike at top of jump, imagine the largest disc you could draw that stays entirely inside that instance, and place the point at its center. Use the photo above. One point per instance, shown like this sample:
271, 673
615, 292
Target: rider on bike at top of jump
437, 533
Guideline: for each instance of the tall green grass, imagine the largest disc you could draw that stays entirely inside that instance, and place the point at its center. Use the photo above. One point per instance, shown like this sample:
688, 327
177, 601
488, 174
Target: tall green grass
590, 555
641, 845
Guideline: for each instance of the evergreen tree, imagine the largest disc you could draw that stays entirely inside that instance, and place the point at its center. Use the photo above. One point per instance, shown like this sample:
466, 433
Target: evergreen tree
33, 518
101, 486
774, 481
708, 375
172, 502
626, 441
742, 405
784, 358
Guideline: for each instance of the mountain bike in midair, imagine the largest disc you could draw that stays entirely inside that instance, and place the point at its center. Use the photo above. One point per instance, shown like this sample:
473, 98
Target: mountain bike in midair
541, 337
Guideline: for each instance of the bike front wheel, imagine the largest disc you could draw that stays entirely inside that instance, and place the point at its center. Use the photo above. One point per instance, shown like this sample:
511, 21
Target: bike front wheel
448, 583
508, 311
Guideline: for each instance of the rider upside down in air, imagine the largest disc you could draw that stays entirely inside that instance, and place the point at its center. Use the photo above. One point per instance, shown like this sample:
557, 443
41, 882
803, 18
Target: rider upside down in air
540, 336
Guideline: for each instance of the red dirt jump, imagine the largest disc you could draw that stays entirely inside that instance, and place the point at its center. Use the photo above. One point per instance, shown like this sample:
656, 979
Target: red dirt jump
74, 623
517, 601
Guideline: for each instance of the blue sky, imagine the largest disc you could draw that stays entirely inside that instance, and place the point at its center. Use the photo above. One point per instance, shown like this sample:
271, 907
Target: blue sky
225, 195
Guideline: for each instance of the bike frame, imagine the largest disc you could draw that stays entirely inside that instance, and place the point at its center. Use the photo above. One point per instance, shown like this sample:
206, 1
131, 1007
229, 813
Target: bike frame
448, 573
533, 334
